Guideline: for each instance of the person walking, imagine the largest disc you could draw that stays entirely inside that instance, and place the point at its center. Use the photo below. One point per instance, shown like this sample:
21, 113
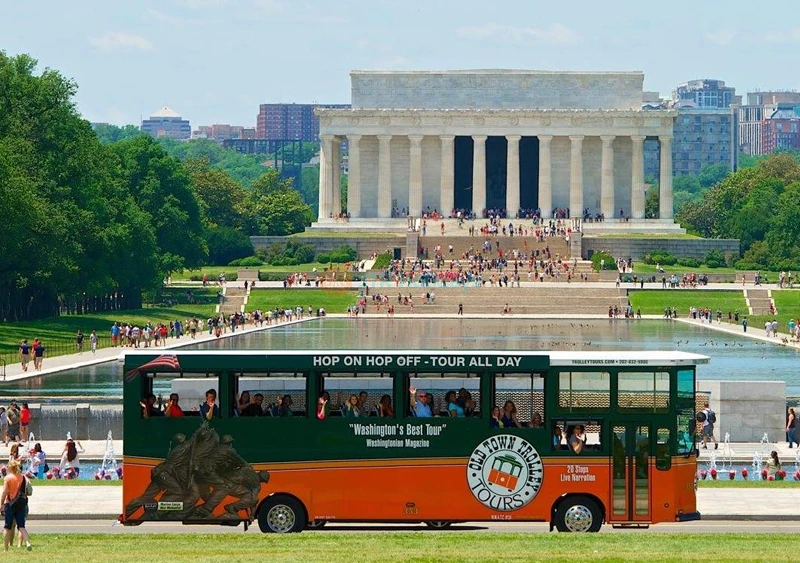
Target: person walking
744, 324
14, 502
791, 426
460, 308
709, 418
38, 355
93, 341
79, 337
24, 354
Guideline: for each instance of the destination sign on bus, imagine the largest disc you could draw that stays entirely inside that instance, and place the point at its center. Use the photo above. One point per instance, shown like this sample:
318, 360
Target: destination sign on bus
433, 362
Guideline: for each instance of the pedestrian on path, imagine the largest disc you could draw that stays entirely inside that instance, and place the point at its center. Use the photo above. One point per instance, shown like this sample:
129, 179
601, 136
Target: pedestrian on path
79, 341
38, 354
24, 354
744, 324
709, 418
14, 502
791, 426
93, 341
460, 308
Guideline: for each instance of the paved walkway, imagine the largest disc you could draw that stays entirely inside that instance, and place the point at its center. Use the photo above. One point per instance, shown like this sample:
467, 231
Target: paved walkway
70, 361
714, 504
753, 332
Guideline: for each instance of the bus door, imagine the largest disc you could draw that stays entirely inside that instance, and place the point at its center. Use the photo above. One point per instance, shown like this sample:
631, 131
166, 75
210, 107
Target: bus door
630, 472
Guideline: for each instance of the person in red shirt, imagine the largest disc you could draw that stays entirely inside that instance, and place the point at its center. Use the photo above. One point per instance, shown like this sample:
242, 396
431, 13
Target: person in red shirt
173, 409
24, 421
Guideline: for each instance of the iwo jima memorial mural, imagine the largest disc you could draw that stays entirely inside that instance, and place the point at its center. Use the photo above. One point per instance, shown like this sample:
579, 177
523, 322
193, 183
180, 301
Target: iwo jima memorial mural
202, 478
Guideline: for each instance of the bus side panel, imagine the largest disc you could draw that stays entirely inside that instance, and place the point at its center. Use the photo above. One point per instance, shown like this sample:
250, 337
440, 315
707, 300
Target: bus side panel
685, 471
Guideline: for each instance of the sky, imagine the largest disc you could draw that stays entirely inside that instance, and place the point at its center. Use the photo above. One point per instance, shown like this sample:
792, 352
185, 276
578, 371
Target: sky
214, 61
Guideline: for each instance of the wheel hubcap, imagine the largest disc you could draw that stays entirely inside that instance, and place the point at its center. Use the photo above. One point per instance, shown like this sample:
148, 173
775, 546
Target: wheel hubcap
438, 523
578, 518
280, 518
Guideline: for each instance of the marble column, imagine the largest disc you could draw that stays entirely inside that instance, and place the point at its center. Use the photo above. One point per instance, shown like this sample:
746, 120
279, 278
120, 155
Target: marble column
336, 170
354, 176
415, 176
576, 176
665, 180
545, 177
479, 175
607, 177
325, 177
384, 177
512, 175
447, 175
637, 178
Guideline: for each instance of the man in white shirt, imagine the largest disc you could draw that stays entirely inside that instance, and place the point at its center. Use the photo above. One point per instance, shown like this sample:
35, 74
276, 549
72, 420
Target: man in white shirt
708, 428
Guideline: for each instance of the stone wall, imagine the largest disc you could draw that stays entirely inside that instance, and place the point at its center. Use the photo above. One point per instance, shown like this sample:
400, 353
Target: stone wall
496, 89
636, 248
747, 409
364, 245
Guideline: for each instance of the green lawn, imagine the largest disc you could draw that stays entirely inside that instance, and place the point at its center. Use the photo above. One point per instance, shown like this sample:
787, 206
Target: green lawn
213, 272
423, 546
653, 302
723, 482
58, 333
642, 268
332, 300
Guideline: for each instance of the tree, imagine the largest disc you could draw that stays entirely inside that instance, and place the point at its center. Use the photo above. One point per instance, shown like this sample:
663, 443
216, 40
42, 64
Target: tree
270, 182
243, 168
309, 186
277, 207
107, 133
221, 198
712, 174
652, 207
226, 245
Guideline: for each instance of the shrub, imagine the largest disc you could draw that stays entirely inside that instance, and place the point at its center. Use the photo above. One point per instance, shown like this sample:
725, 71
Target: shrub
226, 244
247, 262
689, 262
347, 253
382, 261
608, 261
660, 257
323, 258
714, 259
301, 253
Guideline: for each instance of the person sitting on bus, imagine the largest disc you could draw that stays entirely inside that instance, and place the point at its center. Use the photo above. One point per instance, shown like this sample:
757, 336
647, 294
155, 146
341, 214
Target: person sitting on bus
362, 403
209, 409
149, 407
286, 406
465, 402
351, 409
323, 405
419, 403
509, 417
558, 436
537, 421
172, 408
496, 421
243, 402
451, 400
577, 441
384, 407
255, 408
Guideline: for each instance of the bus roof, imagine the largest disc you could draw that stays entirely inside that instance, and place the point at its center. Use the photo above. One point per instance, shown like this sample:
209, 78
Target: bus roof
556, 358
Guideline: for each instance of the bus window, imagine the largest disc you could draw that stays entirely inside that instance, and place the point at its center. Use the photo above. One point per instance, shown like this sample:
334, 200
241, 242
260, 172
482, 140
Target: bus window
358, 395
583, 390
456, 395
576, 436
175, 395
272, 394
520, 400
643, 391
663, 457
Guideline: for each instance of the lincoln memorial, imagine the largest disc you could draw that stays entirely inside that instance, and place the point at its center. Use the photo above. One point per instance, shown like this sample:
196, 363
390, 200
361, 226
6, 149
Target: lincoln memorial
493, 141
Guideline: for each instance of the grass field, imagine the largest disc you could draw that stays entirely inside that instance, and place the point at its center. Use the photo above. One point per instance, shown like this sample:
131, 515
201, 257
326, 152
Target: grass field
332, 300
423, 546
642, 268
723, 482
58, 333
213, 272
653, 302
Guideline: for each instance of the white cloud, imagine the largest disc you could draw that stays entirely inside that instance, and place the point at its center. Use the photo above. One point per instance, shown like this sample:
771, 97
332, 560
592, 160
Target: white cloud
115, 40
788, 36
723, 37
555, 34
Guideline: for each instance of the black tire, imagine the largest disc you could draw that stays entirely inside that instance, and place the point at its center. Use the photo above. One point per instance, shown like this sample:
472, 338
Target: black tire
317, 524
578, 514
438, 524
281, 514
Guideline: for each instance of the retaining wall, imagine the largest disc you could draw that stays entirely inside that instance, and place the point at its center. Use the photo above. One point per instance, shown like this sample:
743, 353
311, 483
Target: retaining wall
365, 246
636, 248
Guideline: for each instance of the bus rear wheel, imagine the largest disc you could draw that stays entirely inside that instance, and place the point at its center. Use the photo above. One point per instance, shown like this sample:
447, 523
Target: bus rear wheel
281, 515
438, 524
578, 515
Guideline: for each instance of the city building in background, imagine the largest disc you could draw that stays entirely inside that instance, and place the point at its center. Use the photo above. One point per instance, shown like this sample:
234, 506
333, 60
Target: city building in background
702, 137
752, 115
781, 130
704, 93
167, 123
223, 132
290, 121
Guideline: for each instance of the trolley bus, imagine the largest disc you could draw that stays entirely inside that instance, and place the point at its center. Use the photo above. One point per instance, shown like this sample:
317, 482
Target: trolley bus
296, 439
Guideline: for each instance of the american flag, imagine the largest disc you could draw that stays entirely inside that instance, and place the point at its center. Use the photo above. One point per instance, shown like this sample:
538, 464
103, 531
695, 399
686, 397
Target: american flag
169, 361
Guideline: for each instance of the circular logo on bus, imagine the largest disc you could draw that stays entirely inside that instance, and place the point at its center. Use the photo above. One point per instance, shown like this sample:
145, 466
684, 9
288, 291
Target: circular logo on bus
505, 472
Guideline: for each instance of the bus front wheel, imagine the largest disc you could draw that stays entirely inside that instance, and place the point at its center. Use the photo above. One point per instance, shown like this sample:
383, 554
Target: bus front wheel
316, 524
438, 524
578, 514
281, 515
